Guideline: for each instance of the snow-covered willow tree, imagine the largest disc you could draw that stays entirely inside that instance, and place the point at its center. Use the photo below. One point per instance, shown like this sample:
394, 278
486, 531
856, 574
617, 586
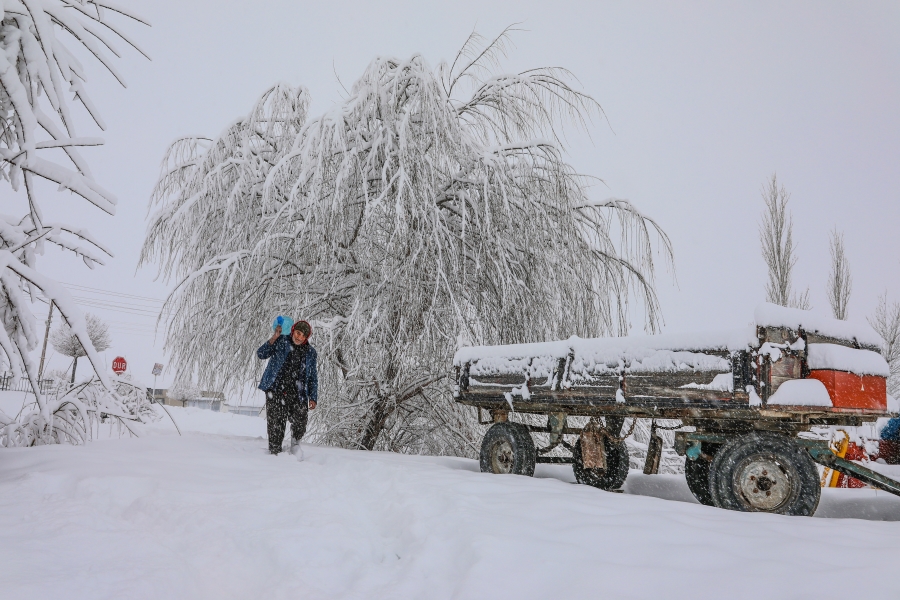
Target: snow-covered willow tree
38, 141
430, 208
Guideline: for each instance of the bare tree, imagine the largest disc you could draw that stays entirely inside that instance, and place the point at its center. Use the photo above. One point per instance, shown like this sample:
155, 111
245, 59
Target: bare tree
38, 73
886, 322
67, 343
778, 250
431, 207
840, 282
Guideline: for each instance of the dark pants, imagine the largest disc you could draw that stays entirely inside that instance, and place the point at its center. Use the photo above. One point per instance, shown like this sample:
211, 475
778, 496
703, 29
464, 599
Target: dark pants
282, 407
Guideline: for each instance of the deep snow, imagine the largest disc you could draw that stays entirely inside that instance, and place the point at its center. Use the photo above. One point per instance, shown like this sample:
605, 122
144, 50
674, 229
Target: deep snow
211, 515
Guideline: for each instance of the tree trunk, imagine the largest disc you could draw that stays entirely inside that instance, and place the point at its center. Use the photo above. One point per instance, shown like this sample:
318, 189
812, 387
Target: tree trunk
380, 414
74, 365
383, 407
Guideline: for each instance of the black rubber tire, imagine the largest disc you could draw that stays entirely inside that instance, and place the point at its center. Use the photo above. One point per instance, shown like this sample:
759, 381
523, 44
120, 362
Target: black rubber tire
518, 457
733, 482
608, 479
696, 473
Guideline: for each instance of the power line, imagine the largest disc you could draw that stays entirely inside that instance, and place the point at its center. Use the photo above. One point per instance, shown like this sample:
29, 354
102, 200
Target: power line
137, 313
118, 302
118, 306
135, 330
133, 309
112, 293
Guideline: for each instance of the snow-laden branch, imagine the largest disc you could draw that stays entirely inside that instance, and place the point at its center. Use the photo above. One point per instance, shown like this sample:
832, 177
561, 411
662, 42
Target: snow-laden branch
38, 70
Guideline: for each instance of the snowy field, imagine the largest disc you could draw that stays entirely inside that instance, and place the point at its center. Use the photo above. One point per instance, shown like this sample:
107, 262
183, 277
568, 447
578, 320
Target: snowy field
211, 515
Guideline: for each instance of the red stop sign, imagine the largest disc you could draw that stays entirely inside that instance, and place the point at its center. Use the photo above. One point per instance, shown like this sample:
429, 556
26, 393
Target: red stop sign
119, 365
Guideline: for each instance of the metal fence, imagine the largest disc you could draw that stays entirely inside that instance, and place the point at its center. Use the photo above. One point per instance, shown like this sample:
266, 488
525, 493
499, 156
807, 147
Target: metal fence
24, 385
212, 404
247, 411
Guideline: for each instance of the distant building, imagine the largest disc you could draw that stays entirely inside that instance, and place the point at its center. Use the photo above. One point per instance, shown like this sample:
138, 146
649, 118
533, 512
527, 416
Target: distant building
159, 396
207, 400
214, 401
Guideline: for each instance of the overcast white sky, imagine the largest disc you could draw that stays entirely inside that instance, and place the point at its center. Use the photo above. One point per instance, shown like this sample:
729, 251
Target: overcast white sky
705, 101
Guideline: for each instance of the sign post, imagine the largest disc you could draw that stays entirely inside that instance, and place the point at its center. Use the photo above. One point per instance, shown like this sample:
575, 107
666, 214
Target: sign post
157, 370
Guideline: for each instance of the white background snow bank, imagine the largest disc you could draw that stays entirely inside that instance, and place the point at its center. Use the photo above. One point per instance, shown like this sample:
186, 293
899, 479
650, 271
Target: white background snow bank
801, 392
213, 516
842, 358
199, 420
195, 420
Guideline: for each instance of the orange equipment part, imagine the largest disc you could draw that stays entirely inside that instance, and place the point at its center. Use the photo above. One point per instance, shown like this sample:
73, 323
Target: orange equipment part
830, 477
848, 390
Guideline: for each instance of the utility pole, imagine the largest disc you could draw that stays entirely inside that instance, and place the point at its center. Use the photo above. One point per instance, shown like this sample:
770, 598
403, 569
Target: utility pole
44, 349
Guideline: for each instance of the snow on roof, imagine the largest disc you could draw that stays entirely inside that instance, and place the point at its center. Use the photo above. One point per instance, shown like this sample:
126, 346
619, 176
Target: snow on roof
842, 358
772, 315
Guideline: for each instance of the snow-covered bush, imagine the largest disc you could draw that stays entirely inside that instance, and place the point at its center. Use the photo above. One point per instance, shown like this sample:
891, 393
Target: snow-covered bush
37, 71
135, 398
431, 207
73, 413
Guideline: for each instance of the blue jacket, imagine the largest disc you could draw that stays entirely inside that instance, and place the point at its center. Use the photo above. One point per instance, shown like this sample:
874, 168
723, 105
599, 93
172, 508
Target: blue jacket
891, 431
277, 353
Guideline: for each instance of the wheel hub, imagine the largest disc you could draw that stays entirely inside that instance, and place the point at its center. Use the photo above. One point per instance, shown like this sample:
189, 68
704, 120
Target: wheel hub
763, 483
502, 457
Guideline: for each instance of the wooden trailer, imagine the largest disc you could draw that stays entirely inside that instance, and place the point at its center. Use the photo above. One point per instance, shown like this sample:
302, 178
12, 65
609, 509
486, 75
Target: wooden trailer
747, 401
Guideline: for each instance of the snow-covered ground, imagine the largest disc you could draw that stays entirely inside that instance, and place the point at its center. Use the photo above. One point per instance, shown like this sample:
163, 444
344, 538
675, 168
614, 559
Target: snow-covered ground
210, 515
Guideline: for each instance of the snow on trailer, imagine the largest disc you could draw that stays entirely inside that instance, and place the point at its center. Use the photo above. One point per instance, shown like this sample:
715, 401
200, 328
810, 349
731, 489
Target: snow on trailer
744, 397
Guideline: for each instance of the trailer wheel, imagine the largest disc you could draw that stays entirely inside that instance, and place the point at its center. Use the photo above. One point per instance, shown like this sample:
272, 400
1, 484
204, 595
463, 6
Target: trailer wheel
608, 479
764, 472
696, 473
508, 448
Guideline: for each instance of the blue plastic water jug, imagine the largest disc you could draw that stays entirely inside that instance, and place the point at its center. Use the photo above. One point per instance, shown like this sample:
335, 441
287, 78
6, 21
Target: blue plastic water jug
285, 322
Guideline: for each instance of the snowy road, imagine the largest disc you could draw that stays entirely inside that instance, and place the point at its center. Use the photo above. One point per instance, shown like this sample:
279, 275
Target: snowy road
213, 516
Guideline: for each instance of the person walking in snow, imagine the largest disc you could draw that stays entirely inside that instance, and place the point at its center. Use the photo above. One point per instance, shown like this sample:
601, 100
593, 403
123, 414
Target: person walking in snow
291, 383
